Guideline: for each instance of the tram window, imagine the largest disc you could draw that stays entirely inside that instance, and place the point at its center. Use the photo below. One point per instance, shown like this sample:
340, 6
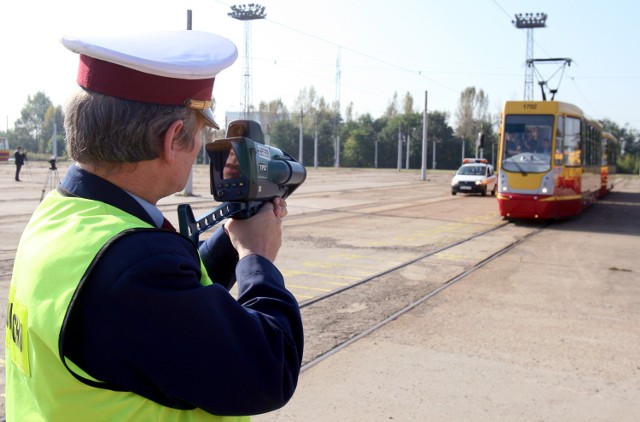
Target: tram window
595, 151
592, 151
586, 145
559, 141
572, 152
522, 142
597, 148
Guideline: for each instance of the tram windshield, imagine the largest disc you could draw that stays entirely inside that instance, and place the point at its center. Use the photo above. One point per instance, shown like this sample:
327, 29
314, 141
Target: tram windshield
527, 143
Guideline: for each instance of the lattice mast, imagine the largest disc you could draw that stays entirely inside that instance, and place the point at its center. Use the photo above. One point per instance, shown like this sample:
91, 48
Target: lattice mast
529, 21
247, 13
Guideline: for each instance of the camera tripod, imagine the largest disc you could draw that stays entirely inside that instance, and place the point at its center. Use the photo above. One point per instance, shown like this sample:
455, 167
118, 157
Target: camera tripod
52, 180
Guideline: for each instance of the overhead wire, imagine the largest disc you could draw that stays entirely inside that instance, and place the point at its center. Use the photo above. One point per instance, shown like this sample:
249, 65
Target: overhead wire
418, 73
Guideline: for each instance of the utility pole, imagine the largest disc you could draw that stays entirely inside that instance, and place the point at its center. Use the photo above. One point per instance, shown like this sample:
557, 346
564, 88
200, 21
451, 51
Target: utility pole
301, 138
425, 125
375, 153
188, 188
315, 141
337, 110
408, 138
54, 146
399, 147
529, 21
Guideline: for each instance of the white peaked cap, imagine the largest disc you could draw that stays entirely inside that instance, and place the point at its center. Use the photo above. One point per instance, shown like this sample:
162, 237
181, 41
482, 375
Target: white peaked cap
169, 68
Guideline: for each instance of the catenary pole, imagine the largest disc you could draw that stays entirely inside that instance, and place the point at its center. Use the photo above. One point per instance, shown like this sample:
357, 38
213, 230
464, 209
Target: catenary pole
54, 147
399, 147
406, 165
188, 189
301, 144
315, 141
425, 122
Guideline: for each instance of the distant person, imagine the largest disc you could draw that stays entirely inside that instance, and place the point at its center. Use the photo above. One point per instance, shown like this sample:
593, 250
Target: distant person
512, 144
545, 147
528, 143
115, 316
20, 158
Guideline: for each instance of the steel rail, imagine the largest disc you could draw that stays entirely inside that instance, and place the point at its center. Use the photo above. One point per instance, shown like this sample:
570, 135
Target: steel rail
321, 357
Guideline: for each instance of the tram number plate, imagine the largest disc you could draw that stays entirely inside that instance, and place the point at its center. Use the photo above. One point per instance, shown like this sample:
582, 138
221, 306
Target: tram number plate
465, 187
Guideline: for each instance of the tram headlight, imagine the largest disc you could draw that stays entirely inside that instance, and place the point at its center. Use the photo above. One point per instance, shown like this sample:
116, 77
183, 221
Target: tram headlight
547, 184
502, 182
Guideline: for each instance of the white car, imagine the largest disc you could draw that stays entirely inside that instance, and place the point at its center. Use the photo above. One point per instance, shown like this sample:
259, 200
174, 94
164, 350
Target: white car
475, 175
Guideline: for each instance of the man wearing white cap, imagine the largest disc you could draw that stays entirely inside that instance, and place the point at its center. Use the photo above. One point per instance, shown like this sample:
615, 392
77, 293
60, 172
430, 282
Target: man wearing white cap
112, 314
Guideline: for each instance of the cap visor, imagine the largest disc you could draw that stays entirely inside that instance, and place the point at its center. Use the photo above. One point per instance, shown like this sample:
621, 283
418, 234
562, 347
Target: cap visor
208, 118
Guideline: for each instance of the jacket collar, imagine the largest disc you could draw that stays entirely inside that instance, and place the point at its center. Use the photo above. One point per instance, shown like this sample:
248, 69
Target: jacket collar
83, 184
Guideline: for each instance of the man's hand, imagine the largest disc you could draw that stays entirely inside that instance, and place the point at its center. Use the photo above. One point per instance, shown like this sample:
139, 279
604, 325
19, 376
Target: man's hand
260, 234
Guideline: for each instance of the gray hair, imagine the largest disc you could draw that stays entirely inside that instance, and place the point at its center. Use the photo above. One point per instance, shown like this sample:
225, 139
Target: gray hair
101, 129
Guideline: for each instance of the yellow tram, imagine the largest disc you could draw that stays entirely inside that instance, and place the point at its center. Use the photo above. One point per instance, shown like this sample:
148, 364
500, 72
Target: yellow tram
553, 161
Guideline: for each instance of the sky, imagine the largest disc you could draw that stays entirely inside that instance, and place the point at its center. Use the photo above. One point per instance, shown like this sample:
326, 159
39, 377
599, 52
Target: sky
428, 48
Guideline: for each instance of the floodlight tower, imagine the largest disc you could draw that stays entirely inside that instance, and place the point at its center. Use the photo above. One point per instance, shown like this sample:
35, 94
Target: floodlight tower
529, 21
247, 13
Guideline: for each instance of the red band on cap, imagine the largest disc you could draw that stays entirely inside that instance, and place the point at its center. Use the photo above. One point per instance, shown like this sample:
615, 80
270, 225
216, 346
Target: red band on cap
122, 82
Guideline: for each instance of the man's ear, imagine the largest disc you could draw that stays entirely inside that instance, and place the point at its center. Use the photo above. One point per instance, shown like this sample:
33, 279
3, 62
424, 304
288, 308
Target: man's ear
169, 147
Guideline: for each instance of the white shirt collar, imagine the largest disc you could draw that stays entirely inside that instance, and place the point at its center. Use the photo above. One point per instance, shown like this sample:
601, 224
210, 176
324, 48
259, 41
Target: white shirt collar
152, 210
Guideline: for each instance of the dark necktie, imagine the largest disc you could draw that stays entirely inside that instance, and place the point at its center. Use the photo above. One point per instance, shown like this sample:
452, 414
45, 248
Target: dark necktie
166, 225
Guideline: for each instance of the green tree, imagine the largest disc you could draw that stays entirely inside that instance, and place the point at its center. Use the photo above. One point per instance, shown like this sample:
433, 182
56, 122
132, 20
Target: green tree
448, 146
53, 115
359, 147
317, 115
384, 144
407, 105
349, 112
307, 101
326, 122
628, 148
270, 112
28, 129
392, 108
284, 135
471, 115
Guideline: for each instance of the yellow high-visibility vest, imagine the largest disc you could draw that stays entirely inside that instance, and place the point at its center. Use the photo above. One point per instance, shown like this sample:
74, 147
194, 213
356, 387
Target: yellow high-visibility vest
49, 265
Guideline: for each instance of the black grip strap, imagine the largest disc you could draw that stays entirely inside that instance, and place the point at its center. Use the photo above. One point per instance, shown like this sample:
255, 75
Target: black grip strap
192, 228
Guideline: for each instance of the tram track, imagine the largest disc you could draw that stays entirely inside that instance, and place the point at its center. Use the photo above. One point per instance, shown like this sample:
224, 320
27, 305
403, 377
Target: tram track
398, 267
339, 318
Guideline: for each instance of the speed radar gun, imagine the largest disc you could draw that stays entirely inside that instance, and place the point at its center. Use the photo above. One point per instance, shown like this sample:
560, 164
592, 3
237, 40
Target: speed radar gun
244, 174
